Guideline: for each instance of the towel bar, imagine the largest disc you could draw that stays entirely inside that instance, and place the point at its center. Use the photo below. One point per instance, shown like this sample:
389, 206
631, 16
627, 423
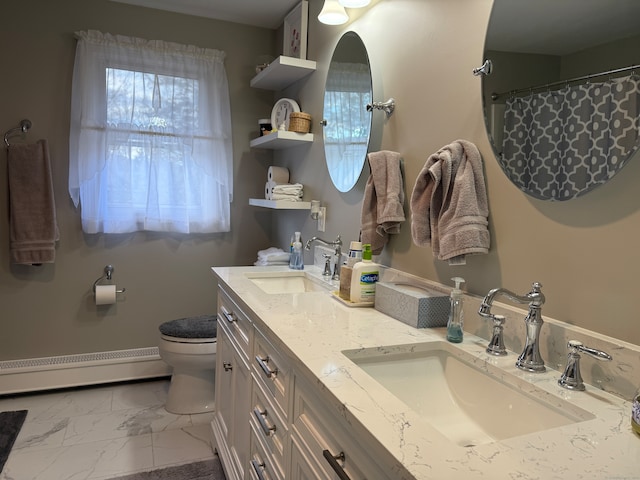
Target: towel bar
24, 126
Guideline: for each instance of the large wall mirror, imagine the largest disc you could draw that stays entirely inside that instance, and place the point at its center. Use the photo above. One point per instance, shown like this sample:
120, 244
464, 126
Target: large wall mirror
562, 102
347, 124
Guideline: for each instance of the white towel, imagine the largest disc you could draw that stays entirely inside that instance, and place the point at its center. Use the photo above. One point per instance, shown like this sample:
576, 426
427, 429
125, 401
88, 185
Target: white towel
286, 191
290, 188
272, 256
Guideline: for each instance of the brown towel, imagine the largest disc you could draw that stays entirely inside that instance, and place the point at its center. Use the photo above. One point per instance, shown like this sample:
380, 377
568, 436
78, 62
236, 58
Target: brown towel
32, 210
449, 207
382, 205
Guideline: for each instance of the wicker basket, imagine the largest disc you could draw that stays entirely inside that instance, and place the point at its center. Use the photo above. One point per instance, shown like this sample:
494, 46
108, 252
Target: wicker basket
299, 122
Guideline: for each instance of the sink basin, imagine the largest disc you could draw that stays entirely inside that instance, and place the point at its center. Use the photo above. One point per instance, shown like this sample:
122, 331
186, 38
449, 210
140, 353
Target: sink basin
462, 400
288, 282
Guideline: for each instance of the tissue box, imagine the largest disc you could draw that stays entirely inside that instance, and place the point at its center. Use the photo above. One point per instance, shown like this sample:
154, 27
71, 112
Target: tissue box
414, 305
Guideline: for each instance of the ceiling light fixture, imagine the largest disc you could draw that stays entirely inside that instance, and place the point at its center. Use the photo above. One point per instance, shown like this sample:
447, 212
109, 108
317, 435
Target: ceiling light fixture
354, 3
333, 13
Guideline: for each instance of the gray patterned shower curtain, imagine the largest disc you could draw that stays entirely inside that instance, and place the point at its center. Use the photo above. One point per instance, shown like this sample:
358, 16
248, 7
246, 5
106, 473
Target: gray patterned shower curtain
561, 144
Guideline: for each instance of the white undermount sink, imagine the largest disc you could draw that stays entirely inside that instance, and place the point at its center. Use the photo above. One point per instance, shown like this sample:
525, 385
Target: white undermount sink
462, 400
294, 281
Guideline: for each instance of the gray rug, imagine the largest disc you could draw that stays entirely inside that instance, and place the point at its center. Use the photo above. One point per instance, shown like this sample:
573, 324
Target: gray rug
10, 425
203, 470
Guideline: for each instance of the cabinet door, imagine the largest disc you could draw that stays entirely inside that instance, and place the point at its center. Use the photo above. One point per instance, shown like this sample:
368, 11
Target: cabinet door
233, 399
223, 418
241, 414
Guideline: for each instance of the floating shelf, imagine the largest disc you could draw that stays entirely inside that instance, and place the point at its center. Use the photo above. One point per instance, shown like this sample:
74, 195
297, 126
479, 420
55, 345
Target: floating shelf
281, 139
279, 204
282, 72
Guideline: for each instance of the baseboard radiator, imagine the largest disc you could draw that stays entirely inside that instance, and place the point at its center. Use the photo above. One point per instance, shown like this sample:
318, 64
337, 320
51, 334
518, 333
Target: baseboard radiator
36, 374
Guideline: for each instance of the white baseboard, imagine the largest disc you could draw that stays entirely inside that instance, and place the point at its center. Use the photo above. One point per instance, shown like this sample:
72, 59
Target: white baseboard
36, 374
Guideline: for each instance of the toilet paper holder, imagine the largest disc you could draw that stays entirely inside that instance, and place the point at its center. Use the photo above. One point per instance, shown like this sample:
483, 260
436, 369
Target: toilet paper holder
108, 273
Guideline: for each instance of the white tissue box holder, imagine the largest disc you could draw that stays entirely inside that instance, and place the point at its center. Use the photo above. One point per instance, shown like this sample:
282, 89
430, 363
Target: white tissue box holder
415, 305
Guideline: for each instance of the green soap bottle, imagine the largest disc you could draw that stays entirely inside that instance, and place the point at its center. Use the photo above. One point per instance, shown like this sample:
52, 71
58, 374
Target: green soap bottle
456, 314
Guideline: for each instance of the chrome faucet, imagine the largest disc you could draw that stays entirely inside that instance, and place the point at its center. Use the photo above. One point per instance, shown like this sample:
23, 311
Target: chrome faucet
337, 245
571, 377
530, 358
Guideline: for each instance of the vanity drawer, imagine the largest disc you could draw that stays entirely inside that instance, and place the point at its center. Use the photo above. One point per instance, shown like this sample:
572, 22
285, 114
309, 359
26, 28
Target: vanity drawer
237, 322
269, 426
327, 445
261, 463
272, 372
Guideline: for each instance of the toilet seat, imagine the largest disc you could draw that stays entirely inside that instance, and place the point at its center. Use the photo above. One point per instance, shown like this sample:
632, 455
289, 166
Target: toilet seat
200, 329
169, 338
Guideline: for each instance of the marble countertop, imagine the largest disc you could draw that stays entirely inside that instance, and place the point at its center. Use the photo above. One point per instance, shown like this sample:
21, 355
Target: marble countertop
316, 328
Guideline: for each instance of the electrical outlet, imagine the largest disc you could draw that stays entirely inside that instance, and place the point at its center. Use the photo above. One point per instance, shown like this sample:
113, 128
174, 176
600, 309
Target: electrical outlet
322, 218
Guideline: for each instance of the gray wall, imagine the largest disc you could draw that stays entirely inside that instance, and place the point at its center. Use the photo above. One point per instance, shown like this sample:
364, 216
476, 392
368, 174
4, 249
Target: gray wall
48, 310
422, 53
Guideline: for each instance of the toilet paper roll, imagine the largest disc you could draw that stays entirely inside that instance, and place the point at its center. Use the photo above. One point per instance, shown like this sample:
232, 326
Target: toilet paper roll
268, 190
278, 174
105, 294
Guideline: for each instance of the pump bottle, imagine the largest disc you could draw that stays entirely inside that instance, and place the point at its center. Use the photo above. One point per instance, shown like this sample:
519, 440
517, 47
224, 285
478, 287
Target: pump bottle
296, 261
635, 412
364, 277
456, 314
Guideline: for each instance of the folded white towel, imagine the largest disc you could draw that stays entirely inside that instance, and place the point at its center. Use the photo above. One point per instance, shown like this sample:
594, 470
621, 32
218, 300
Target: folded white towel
272, 256
288, 188
265, 263
270, 252
285, 196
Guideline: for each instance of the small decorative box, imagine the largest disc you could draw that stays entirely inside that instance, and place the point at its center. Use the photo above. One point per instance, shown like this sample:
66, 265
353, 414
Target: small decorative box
414, 305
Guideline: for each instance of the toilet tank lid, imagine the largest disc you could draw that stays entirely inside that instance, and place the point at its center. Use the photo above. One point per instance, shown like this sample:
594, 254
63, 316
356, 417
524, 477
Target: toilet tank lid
202, 326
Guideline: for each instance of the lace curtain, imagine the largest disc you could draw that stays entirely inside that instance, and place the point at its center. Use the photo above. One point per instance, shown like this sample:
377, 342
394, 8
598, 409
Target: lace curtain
150, 141
561, 144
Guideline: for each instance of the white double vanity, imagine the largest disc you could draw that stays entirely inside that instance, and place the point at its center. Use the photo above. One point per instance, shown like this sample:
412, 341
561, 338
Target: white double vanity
309, 388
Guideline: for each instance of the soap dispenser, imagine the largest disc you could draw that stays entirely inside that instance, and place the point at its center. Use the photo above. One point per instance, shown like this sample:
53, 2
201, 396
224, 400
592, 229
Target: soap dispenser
296, 261
635, 412
456, 314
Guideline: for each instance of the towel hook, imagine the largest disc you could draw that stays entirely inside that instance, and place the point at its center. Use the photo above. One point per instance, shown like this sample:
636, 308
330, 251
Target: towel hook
485, 69
388, 106
24, 126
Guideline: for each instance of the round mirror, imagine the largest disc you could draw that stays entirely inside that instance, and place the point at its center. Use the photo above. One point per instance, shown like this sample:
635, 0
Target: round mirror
347, 124
562, 102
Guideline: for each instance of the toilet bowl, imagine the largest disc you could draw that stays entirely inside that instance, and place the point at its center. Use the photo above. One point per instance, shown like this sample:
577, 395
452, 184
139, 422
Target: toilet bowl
189, 346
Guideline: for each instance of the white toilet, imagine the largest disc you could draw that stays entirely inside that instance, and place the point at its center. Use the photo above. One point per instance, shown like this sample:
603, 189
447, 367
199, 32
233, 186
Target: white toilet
189, 346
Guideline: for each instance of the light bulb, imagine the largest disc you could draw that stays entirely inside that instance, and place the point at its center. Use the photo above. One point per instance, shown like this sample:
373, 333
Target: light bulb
354, 3
333, 13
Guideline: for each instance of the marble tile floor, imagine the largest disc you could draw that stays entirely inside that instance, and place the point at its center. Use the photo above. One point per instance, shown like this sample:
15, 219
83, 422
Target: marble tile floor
102, 432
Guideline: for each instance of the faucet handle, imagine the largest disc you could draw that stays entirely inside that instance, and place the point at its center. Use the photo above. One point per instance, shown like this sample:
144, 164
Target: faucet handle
327, 265
496, 344
571, 378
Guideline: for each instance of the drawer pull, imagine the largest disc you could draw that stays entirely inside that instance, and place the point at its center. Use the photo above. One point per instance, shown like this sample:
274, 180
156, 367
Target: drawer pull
227, 366
265, 368
259, 469
262, 420
230, 316
342, 475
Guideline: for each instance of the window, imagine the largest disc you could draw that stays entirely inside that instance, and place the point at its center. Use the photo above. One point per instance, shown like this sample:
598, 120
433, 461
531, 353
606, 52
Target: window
150, 141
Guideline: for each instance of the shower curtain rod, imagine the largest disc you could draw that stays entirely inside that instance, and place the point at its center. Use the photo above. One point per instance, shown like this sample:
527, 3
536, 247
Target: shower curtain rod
495, 96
